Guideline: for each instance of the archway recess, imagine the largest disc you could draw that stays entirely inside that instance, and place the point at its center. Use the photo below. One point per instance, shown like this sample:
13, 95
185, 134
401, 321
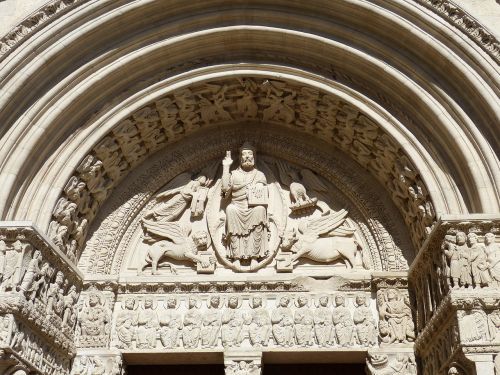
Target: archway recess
385, 113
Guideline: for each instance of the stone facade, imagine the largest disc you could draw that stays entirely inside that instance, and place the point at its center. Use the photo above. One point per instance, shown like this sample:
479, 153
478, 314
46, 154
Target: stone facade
249, 183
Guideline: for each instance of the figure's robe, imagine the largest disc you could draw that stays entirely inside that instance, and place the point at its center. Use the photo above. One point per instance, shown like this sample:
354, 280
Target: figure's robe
246, 227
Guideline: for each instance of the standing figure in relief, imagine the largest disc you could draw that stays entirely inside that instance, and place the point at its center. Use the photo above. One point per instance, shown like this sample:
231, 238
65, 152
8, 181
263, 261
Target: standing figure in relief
246, 215
232, 323
453, 253
493, 257
211, 324
260, 323
479, 264
69, 300
395, 312
30, 275
126, 324
342, 320
147, 326
323, 323
10, 257
365, 323
171, 324
54, 293
192, 325
282, 319
304, 323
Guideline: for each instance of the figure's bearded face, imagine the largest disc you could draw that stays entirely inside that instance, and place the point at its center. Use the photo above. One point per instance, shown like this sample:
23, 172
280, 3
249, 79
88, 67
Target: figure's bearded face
247, 159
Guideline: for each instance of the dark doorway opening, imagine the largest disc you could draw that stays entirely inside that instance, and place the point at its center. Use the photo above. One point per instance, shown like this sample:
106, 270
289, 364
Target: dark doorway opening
267, 369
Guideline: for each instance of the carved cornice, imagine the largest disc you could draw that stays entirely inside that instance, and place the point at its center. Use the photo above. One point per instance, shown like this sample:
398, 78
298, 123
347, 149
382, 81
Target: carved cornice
456, 16
300, 284
382, 280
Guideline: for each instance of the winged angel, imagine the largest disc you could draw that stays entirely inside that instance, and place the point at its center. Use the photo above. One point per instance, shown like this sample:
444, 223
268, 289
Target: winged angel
167, 237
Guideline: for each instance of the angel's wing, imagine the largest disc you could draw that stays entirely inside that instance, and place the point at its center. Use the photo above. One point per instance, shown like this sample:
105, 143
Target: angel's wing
169, 230
175, 185
312, 182
323, 224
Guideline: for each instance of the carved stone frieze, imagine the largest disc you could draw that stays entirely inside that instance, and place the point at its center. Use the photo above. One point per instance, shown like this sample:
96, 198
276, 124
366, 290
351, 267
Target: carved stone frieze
217, 102
236, 321
38, 286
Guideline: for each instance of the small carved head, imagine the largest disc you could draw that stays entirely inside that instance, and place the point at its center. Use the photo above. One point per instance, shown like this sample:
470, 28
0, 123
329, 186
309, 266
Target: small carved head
472, 238
233, 302
247, 156
148, 303
361, 300
489, 238
339, 300
129, 303
171, 302
323, 301
256, 302
200, 239
192, 302
214, 301
284, 301
392, 295
302, 301
94, 299
461, 238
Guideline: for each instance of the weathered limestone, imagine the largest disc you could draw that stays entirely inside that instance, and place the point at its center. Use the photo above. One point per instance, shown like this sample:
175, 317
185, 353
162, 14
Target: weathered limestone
358, 222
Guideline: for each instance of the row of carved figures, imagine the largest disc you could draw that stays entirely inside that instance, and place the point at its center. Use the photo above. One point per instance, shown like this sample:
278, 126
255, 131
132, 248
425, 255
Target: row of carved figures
293, 322
470, 263
23, 270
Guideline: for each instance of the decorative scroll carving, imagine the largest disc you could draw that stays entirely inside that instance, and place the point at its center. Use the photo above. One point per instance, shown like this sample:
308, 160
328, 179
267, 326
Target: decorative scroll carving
276, 101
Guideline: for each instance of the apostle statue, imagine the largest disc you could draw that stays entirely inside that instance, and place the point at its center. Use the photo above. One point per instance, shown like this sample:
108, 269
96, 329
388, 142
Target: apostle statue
246, 214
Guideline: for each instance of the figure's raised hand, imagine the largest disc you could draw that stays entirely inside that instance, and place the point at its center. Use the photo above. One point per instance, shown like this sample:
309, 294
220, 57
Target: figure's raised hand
227, 161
